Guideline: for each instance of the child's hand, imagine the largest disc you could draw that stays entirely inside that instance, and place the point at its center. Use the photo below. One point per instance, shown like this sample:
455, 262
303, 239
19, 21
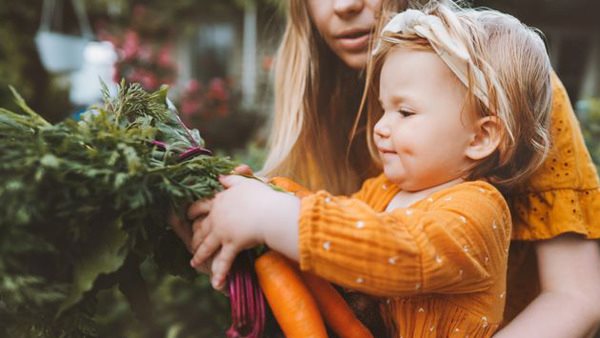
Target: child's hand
183, 227
248, 213
243, 169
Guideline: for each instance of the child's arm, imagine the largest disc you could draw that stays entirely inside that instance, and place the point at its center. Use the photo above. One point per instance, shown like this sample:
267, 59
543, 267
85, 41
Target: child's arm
569, 302
456, 242
451, 247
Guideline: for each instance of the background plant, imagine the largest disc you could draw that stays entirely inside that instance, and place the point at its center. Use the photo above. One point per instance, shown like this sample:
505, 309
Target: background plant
589, 113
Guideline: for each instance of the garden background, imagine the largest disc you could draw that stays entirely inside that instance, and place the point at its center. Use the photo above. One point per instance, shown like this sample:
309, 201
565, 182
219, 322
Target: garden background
217, 56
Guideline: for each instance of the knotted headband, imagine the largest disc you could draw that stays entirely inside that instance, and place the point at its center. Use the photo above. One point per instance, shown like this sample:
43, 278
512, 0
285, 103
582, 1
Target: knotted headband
452, 51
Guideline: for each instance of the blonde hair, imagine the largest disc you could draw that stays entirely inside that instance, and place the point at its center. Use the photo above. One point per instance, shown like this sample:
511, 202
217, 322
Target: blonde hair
517, 70
316, 101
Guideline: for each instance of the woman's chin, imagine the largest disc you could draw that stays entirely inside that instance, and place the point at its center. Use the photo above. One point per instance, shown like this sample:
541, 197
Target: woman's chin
356, 61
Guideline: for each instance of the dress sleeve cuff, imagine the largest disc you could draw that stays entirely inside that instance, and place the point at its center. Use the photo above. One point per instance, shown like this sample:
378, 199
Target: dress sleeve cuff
308, 226
547, 214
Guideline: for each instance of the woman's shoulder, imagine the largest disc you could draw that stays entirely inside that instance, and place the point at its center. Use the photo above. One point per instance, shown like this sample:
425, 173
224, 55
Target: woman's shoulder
563, 195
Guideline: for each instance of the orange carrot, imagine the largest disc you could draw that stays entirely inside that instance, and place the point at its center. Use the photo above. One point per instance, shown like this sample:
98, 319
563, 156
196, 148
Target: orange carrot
292, 304
336, 312
289, 186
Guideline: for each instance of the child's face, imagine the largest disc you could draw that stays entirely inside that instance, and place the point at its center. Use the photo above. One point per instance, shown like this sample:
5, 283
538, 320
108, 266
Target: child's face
427, 123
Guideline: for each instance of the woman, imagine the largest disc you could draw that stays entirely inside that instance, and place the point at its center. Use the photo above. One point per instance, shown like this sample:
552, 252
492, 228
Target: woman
554, 269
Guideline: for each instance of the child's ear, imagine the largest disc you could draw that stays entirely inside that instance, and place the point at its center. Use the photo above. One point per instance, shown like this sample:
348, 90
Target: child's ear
486, 138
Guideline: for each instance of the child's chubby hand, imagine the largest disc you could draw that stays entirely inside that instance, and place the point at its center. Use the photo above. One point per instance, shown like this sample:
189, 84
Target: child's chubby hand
246, 214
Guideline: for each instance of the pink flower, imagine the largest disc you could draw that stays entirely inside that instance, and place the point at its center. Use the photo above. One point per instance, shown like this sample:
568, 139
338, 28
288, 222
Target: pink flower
217, 90
193, 86
190, 107
164, 57
131, 45
149, 80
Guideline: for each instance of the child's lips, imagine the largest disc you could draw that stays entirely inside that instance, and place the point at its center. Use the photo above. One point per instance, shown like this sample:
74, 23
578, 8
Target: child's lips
385, 151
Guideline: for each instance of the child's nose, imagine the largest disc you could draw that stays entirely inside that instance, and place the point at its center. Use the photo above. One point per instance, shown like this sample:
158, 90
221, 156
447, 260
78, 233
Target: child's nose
381, 128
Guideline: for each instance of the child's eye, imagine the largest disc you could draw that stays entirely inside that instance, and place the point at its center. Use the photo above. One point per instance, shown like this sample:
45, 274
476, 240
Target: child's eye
405, 113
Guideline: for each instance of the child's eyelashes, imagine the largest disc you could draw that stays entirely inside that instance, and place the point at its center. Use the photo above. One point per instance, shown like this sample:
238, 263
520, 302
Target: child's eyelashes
405, 113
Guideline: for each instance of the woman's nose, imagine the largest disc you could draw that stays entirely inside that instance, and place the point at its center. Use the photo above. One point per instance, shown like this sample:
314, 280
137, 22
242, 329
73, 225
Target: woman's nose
345, 8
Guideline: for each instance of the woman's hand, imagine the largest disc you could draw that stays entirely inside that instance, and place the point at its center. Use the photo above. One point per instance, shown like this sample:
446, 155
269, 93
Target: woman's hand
248, 213
183, 230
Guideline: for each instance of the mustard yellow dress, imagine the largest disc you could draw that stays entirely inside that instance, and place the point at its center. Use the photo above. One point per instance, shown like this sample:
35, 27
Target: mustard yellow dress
562, 197
436, 268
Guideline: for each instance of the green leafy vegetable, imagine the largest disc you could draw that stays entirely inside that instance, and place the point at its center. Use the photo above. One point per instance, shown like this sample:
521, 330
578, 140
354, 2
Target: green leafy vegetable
83, 203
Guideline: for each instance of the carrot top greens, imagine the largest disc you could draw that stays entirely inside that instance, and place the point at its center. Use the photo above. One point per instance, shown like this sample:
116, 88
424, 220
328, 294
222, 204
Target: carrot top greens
84, 203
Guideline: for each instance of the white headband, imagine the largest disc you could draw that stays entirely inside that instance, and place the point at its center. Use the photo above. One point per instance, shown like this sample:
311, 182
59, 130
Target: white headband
453, 52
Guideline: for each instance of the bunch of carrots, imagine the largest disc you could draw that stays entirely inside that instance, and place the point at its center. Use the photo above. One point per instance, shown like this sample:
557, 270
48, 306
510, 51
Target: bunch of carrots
303, 304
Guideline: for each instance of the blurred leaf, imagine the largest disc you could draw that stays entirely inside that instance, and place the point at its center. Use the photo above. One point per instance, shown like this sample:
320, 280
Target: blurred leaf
106, 256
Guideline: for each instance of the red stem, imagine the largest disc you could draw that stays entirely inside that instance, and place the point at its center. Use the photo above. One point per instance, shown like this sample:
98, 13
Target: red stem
247, 301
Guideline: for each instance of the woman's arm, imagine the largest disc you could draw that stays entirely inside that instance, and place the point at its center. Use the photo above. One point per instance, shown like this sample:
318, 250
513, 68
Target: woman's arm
569, 302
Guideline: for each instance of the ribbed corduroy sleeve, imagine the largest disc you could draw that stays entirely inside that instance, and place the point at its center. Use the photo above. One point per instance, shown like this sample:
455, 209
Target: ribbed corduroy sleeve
455, 241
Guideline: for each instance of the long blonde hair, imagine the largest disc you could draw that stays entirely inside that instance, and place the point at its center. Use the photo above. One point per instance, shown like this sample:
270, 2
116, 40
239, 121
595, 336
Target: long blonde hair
316, 101
517, 70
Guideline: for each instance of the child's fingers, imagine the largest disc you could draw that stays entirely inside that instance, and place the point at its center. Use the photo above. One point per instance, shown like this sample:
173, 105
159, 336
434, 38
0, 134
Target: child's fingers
242, 169
199, 208
204, 267
199, 223
205, 250
230, 180
221, 265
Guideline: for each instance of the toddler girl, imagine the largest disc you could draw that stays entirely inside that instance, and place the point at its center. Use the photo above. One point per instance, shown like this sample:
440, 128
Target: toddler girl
461, 100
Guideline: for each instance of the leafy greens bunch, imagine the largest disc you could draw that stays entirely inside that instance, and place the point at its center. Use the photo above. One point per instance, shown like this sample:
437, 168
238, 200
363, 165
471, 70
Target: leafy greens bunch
83, 203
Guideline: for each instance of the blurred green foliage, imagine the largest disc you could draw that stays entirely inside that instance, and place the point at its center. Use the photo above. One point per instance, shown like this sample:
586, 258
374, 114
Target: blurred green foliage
589, 115
181, 308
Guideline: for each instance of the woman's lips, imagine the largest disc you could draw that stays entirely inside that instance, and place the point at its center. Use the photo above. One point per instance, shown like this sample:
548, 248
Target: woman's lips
354, 41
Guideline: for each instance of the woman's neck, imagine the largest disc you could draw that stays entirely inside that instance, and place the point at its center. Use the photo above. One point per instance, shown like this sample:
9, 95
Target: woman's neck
405, 199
